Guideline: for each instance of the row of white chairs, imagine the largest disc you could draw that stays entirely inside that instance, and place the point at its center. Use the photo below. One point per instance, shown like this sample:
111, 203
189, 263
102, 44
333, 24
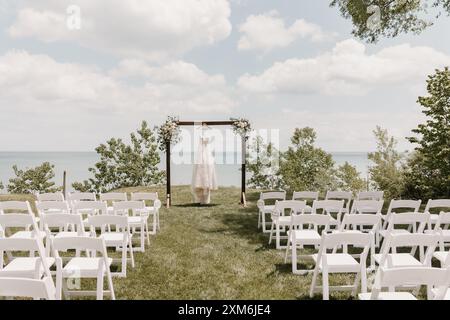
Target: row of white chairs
365, 226
64, 226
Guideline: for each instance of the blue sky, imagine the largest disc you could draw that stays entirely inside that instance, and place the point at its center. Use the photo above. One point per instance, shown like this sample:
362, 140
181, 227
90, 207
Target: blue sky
282, 64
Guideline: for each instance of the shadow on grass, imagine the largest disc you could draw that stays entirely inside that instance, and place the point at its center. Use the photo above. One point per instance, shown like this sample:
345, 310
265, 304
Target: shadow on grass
195, 205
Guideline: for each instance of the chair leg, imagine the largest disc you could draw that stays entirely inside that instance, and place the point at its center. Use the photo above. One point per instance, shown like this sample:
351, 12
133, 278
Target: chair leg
294, 256
263, 222
287, 250
259, 219
131, 252
313, 283
277, 236
271, 233
124, 259
58, 285
325, 288
363, 280
100, 285
110, 283
147, 233
356, 284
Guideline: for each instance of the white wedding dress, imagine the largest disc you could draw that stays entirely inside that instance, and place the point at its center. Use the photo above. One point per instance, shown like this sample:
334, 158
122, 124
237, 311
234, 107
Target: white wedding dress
204, 178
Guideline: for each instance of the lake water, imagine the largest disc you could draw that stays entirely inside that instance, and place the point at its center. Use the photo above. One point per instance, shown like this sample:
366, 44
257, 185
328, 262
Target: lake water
77, 163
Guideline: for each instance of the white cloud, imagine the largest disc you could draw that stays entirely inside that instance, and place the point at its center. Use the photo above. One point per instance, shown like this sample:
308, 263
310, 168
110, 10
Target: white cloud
144, 29
348, 70
37, 82
268, 31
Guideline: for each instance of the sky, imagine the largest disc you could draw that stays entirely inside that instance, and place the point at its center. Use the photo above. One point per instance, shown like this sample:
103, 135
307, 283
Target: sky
282, 64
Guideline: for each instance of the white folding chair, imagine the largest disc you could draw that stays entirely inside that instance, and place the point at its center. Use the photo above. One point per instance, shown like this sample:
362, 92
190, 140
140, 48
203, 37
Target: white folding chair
90, 208
83, 267
370, 195
401, 206
282, 219
368, 207
265, 208
152, 209
25, 267
416, 223
351, 222
341, 195
334, 262
75, 197
120, 238
329, 207
138, 220
308, 196
112, 197
390, 258
46, 207
54, 196
15, 215
440, 228
438, 205
299, 237
28, 288
401, 277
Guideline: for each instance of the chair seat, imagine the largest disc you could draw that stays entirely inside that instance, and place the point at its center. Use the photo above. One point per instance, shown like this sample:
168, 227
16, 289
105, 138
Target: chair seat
399, 260
446, 296
27, 234
112, 237
24, 265
339, 262
306, 236
70, 234
383, 233
441, 256
83, 266
388, 296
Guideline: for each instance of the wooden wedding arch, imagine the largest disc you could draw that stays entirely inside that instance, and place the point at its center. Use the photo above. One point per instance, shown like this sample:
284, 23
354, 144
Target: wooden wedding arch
209, 123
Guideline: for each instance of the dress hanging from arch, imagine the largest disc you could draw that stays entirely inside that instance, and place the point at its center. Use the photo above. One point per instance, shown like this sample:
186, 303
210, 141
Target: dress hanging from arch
204, 178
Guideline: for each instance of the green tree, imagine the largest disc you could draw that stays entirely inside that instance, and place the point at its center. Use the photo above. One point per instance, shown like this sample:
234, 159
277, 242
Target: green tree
38, 179
125, 165
1, 186
373, 19
349, 179
304, 167
429, 172
386, 173
262, 164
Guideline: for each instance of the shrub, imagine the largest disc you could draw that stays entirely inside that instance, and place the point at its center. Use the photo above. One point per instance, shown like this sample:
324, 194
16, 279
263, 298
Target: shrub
33, 180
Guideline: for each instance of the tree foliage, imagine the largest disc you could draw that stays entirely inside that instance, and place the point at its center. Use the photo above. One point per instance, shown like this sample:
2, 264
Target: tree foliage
349, 179
125, 165
429, 172
38, 179
304, 167
263, 165
386, 173
373, 19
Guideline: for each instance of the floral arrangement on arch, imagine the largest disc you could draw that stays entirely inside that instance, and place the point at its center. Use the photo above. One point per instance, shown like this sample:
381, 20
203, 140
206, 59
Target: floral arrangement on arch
241, 126
168, 132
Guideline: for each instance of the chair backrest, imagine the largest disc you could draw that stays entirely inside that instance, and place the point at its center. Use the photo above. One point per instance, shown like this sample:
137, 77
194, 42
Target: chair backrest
317, 220
397, 277
305, 195
417, 220
443, 220
123, 207
353, 220
146, 196
337, 238
410, 205
62, 220
113, 196
438, 204
17, 220
81, 196
79, 243
273, 195
293, 206
28, 288
15, 206
367, 206
370, 195
44, 207
394, 241
328, 206
102, 221
340, 195
91, 207
54, 196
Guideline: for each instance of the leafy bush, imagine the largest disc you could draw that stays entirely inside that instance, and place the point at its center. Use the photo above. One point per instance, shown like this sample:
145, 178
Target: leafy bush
387, 172
263, 165
349, 179
33, 180
429, 167
125, 165
304, 167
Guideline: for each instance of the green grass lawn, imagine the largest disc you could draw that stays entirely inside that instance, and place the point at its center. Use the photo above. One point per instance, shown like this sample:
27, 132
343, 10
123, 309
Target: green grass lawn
212, 252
